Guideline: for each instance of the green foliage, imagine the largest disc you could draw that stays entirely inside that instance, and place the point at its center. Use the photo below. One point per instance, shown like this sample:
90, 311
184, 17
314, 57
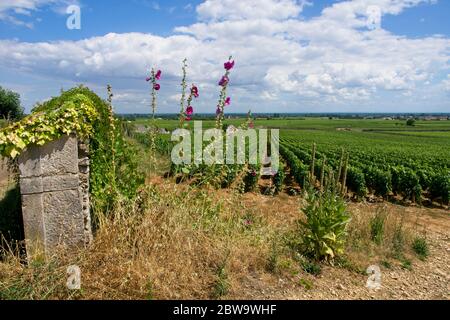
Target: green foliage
308, 285
406, 182
410, 122
377, 228
356, 181
377, 154
278, 179
324, 231
420, 247
221, 286
251, 178
81, 111
398, 242
311, 267
440, 185
73, 115
379, 181
272, 260
10, 105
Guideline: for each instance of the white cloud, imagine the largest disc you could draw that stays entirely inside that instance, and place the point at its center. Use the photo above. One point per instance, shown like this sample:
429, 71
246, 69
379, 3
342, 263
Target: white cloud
332, 58
214, 10
12, 11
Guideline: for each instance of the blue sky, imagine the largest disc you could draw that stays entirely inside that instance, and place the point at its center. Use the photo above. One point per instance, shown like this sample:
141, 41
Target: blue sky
291, 55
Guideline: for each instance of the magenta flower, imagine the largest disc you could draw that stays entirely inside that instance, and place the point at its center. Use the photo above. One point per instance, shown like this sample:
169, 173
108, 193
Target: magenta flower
158, 75
229, 65
189, 110
224, 81
194, 91
218, 110
156, 86
227, 101
148, 79
188, 118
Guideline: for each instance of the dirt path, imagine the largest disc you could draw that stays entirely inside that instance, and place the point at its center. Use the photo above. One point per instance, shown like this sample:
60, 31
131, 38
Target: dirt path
429, 279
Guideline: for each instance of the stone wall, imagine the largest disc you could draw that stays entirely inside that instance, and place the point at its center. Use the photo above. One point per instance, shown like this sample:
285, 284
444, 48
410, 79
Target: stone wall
54, 184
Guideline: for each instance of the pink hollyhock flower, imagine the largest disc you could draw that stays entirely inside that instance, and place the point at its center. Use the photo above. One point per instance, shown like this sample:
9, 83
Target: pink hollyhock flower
218, 110
156, 86
227, 101
189, 110
229, 65
194, 91
188, 118
224, 81
158, 75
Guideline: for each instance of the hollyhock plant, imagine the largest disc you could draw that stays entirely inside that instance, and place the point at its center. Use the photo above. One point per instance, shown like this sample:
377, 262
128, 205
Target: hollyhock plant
155, 87
194, 91
186, 114
224, 81
229, 65
223, 99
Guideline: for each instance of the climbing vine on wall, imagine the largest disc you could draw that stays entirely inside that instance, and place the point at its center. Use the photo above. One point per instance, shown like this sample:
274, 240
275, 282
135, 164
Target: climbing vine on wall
74, 115
81, 111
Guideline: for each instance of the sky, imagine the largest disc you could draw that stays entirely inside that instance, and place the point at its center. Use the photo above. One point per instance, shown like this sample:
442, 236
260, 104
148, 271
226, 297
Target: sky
290, 55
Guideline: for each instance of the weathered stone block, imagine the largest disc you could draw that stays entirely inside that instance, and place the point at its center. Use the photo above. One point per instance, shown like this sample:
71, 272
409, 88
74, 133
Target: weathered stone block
33, 221
63, 219
54, 182
29, 162
60, 156
31, 185
60, 182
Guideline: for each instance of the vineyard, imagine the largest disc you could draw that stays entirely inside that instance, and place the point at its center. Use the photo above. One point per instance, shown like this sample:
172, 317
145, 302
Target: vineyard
412, 165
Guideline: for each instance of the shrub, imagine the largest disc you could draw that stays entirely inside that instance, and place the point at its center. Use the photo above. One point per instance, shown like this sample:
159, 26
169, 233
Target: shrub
356, 181
440, 186
311, 267
278, 179
420, 247
406, 182
324, 231
377, 228
251, 178
379, 181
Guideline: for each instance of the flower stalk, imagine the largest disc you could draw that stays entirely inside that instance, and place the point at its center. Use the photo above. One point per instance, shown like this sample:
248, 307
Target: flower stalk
223, 99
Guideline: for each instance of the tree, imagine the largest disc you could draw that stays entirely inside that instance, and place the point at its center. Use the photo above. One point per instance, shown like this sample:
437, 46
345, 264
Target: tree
10, 107
410, 122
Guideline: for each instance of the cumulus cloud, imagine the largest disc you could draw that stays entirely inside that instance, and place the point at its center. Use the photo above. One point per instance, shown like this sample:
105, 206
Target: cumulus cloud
333, 57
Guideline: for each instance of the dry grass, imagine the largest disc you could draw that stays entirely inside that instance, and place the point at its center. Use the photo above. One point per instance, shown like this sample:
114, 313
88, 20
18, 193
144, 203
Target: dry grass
179, 242
169, 244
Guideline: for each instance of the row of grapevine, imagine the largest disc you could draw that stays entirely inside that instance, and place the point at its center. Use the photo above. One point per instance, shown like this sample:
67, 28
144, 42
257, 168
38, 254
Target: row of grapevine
371, 173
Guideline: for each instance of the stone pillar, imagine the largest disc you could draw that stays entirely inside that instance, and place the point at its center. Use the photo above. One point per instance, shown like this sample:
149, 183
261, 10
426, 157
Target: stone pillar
55, 198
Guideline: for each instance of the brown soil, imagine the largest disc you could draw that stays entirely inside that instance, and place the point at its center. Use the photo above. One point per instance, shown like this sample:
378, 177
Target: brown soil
427, 279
